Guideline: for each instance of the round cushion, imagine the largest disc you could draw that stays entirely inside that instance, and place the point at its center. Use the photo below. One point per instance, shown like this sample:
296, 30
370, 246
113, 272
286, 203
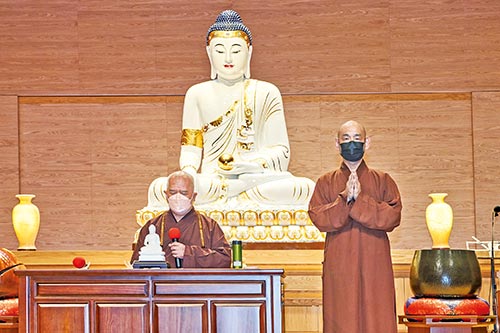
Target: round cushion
446, 306
9, 307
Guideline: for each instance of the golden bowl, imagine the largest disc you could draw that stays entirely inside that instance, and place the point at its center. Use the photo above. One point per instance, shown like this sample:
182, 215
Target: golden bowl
445, 273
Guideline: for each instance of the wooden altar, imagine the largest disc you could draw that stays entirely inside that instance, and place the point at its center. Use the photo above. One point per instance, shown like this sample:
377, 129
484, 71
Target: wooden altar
150, 300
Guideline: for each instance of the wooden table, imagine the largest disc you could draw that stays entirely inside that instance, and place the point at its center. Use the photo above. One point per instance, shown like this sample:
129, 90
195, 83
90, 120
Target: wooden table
150, 300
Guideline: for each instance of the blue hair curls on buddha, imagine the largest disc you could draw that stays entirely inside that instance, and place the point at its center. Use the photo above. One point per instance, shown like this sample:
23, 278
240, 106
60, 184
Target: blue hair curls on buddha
229, 24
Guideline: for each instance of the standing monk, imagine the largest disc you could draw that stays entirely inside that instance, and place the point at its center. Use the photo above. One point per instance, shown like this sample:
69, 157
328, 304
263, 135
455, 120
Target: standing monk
356, 206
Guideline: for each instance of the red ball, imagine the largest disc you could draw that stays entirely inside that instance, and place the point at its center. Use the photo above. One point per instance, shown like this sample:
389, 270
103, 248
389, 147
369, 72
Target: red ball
79, 262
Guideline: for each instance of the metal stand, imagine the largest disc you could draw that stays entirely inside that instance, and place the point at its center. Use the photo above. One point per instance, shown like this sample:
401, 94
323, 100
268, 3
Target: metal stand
493, 273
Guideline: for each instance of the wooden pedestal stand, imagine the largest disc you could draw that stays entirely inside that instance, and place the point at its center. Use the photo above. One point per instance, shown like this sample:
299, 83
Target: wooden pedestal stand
443, 324
9, 324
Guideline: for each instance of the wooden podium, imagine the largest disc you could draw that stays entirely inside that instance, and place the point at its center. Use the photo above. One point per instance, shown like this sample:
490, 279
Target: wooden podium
150, 300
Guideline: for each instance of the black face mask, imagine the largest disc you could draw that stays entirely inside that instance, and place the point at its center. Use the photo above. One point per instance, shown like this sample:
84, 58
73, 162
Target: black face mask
352, 151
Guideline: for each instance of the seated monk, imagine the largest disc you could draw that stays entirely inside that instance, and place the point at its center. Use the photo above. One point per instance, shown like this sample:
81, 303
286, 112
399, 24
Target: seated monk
234, 137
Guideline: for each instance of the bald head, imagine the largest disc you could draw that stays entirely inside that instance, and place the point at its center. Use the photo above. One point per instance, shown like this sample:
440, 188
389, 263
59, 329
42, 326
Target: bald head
351, 130
352, 142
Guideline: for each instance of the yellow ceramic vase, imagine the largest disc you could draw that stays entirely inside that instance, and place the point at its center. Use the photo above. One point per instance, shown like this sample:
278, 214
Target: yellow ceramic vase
26, 221
439, 219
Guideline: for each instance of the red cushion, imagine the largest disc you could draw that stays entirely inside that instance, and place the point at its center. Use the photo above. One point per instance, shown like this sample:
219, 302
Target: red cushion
9, 307
446, 306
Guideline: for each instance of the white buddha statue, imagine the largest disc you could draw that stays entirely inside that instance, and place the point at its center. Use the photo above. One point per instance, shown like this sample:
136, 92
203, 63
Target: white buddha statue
234, 137
152, 250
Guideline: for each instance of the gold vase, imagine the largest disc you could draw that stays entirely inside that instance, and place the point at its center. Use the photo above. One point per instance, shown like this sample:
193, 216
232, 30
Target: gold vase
439, 219
26, 222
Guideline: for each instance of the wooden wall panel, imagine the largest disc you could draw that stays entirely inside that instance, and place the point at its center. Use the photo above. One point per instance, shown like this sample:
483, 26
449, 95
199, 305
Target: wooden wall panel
90, 162
303, 318
423, 141
316, 47
181, 59
485, 109
9, 169
117, 49
436, 155
311, 51
321, 46
303, 119
428, 46
39, 43
482, 37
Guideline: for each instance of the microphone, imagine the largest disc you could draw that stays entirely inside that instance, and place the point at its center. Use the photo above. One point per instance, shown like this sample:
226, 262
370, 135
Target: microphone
494, 213
494, 306
174, 234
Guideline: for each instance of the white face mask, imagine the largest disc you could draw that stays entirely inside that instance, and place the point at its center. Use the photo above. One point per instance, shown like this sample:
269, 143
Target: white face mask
179, 204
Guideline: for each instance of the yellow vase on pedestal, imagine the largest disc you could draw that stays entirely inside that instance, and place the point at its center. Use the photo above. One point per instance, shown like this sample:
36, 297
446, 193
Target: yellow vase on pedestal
26, 222
439, 219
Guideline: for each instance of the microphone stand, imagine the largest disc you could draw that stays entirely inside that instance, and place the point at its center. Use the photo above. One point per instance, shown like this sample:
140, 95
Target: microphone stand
493, 278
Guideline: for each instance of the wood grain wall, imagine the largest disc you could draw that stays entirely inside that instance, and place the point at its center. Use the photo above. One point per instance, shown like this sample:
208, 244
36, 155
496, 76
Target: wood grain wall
316, 47
91, 96
90, 160
486, 138
9, 168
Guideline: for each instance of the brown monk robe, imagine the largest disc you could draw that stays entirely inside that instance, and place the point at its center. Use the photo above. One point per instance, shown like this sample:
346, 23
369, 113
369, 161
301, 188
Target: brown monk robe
358, 281
356, 207
213, 252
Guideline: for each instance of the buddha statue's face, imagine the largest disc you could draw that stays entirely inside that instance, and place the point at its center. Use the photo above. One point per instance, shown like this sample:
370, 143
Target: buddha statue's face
229, 58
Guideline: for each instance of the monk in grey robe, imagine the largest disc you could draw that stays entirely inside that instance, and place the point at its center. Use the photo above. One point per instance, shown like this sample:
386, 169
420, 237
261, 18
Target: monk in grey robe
356, 206
202, 243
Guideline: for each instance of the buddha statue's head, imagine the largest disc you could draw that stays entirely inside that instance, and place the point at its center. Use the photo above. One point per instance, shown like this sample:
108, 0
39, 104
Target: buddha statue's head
229, 47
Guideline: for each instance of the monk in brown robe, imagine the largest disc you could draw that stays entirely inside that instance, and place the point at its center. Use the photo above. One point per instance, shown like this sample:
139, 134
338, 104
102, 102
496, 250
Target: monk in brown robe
201, 244
356, 206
